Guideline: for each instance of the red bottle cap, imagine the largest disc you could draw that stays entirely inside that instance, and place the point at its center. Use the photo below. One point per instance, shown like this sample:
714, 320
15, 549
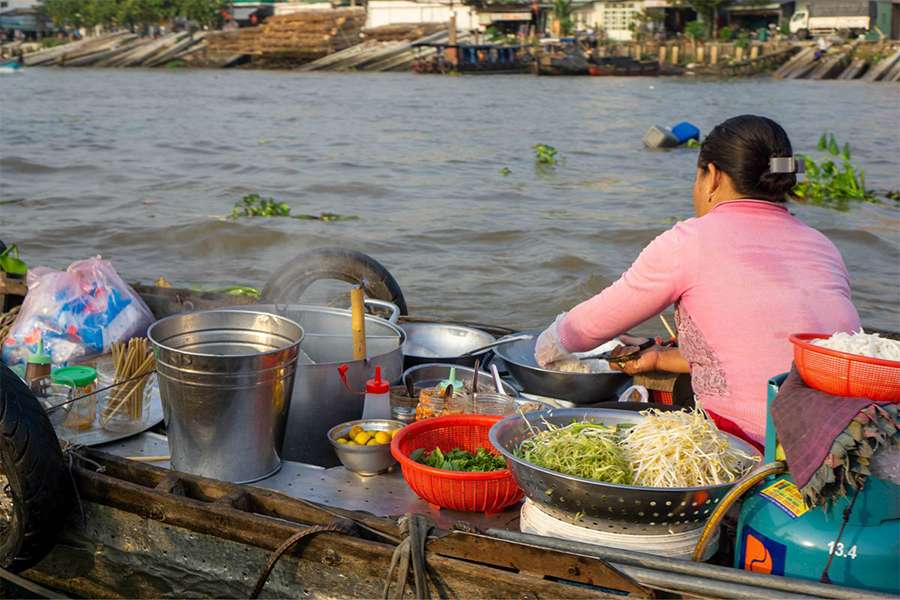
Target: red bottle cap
377, 385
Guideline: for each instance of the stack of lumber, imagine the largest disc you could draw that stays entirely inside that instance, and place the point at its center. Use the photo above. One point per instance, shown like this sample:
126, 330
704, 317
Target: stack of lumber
242, 41
401, 32
75, 51
314, 32
302, 35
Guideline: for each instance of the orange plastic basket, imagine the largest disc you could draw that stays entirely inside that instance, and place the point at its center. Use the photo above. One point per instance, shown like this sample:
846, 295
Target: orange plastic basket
471, 492
842, 374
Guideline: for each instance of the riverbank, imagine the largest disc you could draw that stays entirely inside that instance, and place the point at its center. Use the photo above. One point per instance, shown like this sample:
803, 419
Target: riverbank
336, 40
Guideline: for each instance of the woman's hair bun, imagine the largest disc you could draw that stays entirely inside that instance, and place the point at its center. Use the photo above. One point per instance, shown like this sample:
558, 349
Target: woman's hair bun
777, 184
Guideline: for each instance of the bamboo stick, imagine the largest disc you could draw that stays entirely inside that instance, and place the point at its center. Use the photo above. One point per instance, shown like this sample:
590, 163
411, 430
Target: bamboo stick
358, 323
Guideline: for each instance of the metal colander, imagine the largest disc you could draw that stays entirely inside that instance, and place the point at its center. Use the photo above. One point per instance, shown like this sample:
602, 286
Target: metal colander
604, 506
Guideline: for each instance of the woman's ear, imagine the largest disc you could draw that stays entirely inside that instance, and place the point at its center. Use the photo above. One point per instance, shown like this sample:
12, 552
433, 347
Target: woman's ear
714, 180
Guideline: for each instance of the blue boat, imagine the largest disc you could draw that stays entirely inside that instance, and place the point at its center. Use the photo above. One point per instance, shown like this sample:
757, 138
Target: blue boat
10, 66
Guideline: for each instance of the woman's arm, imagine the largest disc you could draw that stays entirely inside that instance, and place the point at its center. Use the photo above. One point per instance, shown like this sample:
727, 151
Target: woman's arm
656, 358
656, 280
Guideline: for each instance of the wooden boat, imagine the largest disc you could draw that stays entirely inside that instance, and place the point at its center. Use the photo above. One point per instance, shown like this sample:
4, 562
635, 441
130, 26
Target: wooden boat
623, 66
141, 530
472, 59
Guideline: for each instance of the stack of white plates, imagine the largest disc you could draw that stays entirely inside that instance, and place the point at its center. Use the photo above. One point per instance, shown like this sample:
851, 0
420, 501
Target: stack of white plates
672, 545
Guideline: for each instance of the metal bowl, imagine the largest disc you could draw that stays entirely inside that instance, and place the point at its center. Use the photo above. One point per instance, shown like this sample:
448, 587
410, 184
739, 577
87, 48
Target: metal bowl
441, 343
598, 505
578, 388
364, 460
430, 374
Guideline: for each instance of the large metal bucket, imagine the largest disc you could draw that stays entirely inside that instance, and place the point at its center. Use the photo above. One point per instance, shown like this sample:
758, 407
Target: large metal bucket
226, 379
321, 400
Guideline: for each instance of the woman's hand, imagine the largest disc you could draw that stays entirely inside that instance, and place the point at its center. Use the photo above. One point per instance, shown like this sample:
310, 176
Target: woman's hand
646, 361
548, 348
657, 358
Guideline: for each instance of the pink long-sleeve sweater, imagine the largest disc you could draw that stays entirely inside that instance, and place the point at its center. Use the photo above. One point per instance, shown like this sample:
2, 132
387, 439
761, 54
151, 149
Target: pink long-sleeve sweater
743, 278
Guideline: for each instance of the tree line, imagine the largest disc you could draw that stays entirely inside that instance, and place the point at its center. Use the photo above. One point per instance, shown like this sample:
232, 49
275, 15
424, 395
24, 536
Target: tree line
132, 13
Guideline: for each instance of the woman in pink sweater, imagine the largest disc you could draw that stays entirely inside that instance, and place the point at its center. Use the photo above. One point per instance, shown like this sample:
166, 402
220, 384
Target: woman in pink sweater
743, 276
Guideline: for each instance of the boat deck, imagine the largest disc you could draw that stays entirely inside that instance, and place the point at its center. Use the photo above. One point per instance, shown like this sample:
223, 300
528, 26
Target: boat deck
385, 495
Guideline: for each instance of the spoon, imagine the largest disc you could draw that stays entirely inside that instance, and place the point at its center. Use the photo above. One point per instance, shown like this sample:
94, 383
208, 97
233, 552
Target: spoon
498, 383
500, 342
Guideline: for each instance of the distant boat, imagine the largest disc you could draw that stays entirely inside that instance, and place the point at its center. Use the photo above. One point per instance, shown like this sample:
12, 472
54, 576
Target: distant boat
10, 66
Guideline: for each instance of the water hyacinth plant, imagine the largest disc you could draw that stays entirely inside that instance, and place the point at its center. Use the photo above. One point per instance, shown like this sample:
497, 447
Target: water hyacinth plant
545, 155
833, 181
254, 205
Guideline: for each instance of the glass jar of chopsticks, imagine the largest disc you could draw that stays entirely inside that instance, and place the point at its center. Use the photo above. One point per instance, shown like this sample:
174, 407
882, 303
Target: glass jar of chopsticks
130, 376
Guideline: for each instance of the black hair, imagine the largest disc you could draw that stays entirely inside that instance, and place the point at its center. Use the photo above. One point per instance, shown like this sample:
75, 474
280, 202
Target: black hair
742, 147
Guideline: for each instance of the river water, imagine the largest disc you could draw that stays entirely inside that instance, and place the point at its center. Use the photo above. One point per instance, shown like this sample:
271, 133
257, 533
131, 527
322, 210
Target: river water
140, 166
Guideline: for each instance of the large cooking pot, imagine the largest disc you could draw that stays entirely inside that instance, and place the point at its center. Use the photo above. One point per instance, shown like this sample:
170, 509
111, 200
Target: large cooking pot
441, 343
321, 400
579, 388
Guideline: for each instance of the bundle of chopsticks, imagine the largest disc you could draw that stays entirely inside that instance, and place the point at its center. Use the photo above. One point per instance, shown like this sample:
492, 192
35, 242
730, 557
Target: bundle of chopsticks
131, 361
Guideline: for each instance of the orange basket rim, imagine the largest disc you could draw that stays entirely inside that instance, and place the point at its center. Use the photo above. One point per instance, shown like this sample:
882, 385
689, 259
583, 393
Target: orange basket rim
802, 340
432, 423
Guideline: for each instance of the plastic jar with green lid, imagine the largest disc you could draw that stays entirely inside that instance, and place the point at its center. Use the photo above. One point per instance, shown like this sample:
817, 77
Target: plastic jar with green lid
80, 380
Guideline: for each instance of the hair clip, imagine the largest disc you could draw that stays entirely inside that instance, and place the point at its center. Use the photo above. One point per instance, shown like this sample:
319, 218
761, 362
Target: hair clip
785, 164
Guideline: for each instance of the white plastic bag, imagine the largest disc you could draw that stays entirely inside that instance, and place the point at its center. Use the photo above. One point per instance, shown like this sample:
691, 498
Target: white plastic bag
77, 312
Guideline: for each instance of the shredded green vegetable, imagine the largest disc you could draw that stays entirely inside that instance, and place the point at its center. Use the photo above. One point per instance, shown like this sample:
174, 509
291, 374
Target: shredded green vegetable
582, 449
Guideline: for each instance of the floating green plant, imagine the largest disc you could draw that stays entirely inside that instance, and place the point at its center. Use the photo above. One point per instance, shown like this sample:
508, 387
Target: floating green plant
546, 155
833, 181
254, 205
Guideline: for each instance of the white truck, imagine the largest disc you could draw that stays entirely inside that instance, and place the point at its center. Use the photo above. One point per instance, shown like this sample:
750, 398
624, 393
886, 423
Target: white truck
804, 24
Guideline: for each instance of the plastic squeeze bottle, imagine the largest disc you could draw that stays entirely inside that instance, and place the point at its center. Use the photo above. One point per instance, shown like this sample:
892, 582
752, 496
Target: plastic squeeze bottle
377, 404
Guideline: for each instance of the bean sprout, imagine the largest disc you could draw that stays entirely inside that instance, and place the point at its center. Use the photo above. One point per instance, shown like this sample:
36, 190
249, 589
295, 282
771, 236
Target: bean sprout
682, 449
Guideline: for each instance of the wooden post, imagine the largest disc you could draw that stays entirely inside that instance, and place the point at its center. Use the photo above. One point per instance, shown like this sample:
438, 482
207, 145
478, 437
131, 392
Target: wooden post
451, 30
674, 55
662, 54
701, 54
358, 323
638, 52
754, 52
739, 53
714, 54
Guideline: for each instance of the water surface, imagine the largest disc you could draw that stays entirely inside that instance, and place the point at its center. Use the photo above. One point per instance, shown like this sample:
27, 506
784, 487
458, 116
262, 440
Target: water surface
141, 165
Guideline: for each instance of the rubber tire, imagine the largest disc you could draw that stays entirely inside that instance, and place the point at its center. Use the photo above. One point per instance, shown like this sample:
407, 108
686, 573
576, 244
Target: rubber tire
34, 466
291, 279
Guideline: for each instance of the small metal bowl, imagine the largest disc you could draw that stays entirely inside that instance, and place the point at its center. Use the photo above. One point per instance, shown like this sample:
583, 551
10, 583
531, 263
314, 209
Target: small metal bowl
364, 460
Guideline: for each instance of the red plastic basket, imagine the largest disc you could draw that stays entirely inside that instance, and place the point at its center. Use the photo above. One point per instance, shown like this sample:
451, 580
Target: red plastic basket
471, 492
842, 374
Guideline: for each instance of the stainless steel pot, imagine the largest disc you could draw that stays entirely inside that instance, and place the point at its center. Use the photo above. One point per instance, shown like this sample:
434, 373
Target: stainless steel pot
321, 400
441, 343
578, 388
226, 379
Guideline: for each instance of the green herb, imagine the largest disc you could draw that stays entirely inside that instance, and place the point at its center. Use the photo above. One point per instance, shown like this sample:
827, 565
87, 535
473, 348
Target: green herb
254, 205
460, 460
834, 181
692, 143
505, 171
583, 449
545, 155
